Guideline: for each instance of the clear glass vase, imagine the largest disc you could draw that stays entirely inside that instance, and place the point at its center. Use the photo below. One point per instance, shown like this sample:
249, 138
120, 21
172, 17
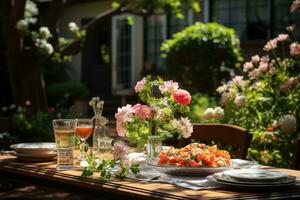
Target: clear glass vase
101, 142
154, 147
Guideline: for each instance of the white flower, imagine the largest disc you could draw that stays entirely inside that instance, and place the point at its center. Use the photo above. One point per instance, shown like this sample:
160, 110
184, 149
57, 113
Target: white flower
184, 126
73, 27
240, 100
31, 8
49, 48
218, 113
44, 32
208, 113
287, 124
84, 164
22, 25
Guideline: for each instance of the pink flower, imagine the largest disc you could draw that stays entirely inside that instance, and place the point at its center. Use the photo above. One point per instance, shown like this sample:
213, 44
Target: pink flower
123, 115
254, 73
184, 127
255, 59
168, 86
272, 44
295, 6
295, 49
282, 37
140, 85
182, 97
224, 99
142, 111
27, 103
290, 28
288, 84
119, 151
265, 59
223, 88
238, 80
263, 66
247, 66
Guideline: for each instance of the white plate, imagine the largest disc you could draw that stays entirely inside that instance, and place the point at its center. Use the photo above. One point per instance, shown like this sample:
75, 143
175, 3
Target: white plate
223, 178
188, 171
34, 147
261, 175
250, 186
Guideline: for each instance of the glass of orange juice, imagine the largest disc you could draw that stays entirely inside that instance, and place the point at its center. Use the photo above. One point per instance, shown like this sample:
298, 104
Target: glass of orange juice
84, 130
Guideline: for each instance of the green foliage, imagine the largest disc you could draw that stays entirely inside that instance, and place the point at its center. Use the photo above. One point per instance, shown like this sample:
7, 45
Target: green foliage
200, 102
36, 127
108, 168
266, 101
74, 89
202, 55
151, 6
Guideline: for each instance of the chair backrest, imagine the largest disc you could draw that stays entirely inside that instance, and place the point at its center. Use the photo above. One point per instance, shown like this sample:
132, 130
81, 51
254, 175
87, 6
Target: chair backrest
6, 125
224, 134
296, 156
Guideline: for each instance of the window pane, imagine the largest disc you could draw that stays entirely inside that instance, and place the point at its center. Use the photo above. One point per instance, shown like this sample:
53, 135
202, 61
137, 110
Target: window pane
155, 35
123, 54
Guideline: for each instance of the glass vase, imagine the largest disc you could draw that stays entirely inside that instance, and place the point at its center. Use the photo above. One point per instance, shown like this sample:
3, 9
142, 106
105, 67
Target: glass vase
154, 147
101, 142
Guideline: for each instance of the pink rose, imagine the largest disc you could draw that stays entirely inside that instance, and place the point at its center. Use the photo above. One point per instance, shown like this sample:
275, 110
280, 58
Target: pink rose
272, 44
255, 59
295, 49
182, 97
282, 37
140, 85
123, 115
120, 129
247, 66
142, 111
168, 86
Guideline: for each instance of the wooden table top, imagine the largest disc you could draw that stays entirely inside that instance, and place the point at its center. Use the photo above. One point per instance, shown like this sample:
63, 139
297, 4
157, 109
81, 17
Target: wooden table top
131, 188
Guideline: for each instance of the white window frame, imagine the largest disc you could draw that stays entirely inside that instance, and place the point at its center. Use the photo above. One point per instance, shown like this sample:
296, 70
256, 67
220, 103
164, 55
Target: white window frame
136, 52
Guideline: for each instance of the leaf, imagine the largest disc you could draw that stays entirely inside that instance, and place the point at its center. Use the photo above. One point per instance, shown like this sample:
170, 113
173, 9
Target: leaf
115, 4
135, 168
87, 172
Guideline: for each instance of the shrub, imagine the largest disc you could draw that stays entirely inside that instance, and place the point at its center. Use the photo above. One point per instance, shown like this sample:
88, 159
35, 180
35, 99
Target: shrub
266, 101
201, 55
200, 102
72, 89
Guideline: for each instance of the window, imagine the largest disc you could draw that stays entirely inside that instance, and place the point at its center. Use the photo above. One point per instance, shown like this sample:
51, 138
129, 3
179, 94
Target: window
155, 34
175, 25
254, 19
126, 53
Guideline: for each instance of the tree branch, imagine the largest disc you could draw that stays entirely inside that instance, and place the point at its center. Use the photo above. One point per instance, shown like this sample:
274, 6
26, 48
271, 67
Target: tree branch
53, 16
75, 46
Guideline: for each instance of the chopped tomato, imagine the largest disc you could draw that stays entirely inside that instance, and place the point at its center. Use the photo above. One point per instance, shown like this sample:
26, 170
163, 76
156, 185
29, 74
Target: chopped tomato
194, 163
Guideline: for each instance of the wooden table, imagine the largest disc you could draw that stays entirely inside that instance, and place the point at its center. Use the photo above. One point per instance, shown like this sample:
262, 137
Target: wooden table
46, 172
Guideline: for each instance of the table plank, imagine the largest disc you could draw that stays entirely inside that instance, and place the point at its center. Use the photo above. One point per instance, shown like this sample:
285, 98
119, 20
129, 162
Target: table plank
131, 188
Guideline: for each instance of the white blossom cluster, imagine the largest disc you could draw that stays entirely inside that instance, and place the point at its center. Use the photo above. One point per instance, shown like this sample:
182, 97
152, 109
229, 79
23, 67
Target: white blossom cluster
44, 46
73, 27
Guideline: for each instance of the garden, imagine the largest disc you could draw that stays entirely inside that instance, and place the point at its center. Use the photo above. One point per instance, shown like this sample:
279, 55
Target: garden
206, 79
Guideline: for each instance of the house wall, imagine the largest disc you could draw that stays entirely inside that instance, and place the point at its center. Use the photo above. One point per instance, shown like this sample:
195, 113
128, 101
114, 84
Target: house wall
75, 13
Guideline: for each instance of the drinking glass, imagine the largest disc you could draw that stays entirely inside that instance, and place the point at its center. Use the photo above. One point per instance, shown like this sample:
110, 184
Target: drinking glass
64, 130
84, 130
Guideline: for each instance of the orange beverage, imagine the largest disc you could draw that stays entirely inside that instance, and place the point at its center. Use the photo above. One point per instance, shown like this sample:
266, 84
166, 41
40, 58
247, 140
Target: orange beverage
83, 132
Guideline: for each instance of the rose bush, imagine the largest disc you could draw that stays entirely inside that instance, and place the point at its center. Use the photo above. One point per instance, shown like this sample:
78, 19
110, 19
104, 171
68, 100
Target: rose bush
162, 115
266, 101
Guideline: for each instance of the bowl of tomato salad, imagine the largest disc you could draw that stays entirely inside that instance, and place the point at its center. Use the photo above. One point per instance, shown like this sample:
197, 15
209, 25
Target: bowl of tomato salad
194, 159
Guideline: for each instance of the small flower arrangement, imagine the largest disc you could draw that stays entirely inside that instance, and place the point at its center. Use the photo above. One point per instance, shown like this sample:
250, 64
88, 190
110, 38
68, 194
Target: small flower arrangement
119, 166
266, 99
162, 112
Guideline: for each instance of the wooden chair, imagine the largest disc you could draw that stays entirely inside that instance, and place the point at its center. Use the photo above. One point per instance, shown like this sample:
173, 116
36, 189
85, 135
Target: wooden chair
235, 136
296, 156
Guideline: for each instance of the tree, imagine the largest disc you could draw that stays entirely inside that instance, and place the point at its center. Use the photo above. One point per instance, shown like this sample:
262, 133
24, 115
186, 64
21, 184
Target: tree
28, 49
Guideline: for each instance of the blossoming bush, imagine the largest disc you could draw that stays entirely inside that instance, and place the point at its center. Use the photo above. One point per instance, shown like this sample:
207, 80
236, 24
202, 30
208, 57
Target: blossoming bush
160, 114
266, 101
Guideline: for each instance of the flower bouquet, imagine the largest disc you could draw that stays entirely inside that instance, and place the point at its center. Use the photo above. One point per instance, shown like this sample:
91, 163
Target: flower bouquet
162, 112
